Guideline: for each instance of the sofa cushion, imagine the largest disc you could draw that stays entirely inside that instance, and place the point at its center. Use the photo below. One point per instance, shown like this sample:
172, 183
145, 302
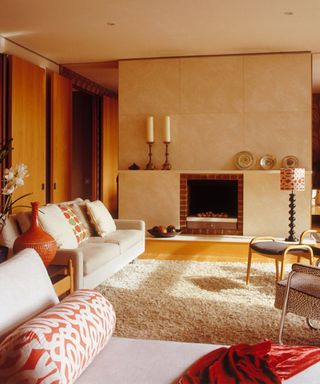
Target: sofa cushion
59, 343
79, 230
125, 238
81, 211
26, 290
54, 222
24, 220
96, 255
100, 217
10, 232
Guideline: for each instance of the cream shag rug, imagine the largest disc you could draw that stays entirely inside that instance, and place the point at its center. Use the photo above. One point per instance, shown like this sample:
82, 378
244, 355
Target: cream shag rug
200, 302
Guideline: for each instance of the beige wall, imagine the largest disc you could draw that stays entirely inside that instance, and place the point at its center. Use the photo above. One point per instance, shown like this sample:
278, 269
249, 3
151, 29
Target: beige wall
154, 196
218, 107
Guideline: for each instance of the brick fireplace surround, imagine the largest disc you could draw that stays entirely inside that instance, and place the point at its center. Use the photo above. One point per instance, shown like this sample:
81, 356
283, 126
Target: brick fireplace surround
216, 230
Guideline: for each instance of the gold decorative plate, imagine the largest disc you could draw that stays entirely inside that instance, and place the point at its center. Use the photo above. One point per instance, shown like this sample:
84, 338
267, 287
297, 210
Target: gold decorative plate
244, 160
290, 162
267, 162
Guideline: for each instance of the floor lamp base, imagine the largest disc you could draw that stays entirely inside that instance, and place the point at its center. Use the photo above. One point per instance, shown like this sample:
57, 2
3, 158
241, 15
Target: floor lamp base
292, 219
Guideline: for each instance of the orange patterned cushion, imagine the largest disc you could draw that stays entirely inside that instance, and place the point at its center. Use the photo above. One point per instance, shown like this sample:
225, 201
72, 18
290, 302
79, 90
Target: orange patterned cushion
77, 226
57, 345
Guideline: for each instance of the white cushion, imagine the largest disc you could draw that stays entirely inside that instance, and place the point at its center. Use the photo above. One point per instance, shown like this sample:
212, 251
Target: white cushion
10, 232
125, 238
100, 217
96, 255
54, 222
24, 220
25, 290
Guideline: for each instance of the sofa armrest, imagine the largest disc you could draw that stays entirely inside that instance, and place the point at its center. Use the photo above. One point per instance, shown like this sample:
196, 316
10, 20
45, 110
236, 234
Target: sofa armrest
63, 256
130, 224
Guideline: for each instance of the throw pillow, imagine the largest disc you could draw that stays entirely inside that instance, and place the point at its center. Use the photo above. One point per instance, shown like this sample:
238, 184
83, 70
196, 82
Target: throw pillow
60, 343
77, 226
101, 218
53, 221
81, 211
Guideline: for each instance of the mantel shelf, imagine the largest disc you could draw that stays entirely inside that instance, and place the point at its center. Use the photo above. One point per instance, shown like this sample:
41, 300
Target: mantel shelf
222, 171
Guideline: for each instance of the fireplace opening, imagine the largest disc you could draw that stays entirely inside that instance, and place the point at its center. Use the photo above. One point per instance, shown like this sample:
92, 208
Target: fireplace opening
211, 204
213, 198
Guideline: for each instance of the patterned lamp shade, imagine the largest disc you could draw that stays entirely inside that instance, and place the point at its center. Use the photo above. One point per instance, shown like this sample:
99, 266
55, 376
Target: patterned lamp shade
292, 179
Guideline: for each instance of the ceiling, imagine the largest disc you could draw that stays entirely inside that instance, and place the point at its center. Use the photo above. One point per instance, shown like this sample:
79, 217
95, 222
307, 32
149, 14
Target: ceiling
87, 35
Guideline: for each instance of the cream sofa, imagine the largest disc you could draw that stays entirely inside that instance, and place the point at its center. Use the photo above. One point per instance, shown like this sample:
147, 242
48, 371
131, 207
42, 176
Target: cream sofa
94, 259
32, 312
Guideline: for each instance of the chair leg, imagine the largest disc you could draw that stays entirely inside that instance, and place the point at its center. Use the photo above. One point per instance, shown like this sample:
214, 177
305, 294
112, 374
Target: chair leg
285, 306
282, 267
249, 265
277, 269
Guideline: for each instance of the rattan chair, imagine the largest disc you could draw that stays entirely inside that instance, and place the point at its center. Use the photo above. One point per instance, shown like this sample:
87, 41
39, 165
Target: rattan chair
299, 294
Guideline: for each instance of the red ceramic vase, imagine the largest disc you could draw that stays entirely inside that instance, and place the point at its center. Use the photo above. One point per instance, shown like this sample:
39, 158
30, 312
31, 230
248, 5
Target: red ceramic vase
35, 237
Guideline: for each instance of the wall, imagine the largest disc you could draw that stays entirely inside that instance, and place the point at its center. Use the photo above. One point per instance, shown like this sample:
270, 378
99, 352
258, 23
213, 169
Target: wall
154, 196
218, 107
13, 49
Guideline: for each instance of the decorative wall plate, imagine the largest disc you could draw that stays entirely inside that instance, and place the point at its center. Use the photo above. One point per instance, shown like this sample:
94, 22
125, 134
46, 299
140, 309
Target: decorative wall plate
290, 162
244, 160
267, 162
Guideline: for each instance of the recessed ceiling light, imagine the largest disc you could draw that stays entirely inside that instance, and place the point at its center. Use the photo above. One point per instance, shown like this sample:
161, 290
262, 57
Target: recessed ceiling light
110, 24
288, 13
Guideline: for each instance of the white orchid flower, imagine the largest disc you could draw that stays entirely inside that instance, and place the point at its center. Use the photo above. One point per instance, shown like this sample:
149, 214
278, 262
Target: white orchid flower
9, 174
8, 189
21, 170
19, 182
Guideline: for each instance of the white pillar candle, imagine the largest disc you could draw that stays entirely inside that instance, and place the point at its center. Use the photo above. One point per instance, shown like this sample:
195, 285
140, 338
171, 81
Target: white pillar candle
167, 135
150, 138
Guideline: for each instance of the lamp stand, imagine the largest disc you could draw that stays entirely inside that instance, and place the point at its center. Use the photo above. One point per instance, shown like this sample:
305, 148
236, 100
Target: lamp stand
166, 165
292, 219
150, 165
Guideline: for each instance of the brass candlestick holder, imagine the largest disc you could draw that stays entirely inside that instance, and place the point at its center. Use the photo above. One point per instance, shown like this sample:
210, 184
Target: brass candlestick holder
150, 165
166, 165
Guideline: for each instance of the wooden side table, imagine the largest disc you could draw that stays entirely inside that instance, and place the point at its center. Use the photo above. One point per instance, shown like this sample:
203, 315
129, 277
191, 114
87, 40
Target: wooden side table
62, 278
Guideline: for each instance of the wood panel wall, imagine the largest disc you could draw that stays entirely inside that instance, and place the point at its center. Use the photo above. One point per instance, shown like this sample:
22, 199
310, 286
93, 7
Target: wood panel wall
27, 126
316, 141
1, 95
61, 139
109, 167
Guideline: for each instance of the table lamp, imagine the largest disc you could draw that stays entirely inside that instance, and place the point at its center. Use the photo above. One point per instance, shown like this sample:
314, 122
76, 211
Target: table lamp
292, 179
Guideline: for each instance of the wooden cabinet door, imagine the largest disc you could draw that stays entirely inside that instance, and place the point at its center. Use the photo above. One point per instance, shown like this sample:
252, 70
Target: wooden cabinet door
109, 166
61, 138
27, 125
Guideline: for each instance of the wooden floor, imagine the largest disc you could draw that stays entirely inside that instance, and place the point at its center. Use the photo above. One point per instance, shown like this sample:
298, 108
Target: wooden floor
195, 250
202, 251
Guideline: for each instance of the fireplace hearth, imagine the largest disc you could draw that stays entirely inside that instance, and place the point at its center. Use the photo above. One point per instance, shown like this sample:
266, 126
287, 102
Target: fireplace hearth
211, 204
